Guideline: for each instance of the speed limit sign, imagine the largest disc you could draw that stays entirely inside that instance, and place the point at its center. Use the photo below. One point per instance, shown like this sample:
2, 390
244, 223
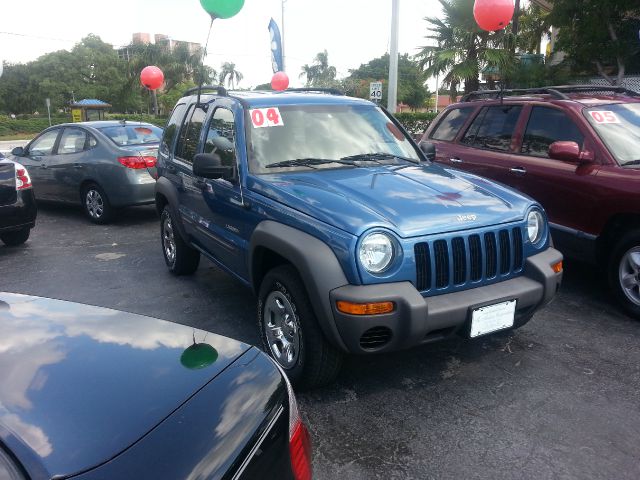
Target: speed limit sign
375, 91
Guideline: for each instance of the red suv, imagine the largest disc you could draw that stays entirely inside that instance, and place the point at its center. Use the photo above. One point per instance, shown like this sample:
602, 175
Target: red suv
575, 149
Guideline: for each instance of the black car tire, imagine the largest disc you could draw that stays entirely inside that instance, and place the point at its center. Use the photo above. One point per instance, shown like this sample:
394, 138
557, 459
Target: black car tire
178, 255
17, 237
619, 260
96, 205
317, 362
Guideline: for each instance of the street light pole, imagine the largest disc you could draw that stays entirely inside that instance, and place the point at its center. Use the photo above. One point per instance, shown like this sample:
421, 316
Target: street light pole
392, 98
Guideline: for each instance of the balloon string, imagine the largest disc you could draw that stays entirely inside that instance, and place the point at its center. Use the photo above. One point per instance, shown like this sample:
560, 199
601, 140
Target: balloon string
204, 55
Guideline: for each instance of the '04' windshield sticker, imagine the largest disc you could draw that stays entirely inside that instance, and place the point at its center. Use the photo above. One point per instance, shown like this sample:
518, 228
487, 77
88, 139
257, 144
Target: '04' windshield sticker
604, 116
266, 117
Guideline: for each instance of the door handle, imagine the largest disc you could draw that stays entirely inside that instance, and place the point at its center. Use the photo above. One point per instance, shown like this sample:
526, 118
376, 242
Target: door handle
518, 170
455, 160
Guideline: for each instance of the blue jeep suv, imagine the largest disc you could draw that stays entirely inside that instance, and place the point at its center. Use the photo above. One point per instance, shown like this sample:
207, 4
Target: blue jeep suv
352, 239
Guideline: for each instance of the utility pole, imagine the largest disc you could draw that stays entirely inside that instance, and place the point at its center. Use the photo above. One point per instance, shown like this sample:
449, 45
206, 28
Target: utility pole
392, 98
282, 34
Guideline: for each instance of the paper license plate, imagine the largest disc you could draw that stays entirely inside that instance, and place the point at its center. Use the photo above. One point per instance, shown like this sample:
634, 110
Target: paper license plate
492, 318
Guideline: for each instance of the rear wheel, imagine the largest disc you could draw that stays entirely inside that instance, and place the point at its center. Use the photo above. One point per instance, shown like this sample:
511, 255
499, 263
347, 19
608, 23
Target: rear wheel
18, 237
96, 204
179, 257
290, 331
624, 272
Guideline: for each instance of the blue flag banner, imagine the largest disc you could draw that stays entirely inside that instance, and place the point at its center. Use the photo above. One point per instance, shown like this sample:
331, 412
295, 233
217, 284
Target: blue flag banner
276, 46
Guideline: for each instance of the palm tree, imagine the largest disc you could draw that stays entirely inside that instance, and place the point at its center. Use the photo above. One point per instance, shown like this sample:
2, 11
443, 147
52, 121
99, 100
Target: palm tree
463, 50
229, 73
533, 26
320, 73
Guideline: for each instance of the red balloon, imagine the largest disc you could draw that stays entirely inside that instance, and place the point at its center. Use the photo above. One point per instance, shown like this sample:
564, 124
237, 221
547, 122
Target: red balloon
151, 77
280, 81
492, 15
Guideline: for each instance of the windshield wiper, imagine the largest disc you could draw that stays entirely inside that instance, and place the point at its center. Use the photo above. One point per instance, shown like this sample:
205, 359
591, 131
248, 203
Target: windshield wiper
632, 162
306, 162
375, 157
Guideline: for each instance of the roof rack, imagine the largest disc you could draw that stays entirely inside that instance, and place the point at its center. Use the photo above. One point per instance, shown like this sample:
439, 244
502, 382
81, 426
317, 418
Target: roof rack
557, 92
330, 91
220, 90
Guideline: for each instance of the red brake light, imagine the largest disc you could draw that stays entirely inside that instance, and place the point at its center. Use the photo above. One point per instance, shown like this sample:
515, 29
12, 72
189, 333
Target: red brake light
23, 180
138, 162
300, 451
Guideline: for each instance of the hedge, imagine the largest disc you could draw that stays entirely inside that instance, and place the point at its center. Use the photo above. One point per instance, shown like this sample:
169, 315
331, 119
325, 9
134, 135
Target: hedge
415, 123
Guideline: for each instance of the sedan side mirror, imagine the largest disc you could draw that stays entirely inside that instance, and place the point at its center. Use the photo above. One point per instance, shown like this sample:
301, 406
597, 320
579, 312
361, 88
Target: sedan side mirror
18, 151
209, 165
429, 150
565, 151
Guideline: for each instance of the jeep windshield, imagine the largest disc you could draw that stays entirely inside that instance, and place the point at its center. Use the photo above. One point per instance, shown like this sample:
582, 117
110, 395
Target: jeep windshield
619, 128
309, 137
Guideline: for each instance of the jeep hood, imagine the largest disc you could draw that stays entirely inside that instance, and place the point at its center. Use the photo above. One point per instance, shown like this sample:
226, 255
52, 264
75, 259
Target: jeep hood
411, 200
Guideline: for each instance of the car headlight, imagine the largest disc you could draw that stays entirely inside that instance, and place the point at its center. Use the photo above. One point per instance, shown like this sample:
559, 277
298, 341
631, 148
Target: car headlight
535, 226
376, 252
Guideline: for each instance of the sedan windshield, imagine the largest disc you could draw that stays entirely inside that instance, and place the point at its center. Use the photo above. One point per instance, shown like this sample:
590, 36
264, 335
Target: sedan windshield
303, 137
619, 128
140, 134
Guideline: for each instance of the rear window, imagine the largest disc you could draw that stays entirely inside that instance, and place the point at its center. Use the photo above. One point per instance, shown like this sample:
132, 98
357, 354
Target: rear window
451, 124
142, 134
493, 128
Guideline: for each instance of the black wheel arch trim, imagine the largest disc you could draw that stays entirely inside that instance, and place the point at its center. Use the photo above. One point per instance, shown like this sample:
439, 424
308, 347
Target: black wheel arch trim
316, 263
165, 188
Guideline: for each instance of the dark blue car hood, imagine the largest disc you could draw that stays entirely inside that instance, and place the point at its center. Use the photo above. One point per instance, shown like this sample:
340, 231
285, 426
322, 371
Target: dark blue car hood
79, 384
413, 200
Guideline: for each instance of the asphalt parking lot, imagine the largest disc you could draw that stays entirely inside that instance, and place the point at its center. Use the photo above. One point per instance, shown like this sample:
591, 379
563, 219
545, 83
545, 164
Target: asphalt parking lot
559, 398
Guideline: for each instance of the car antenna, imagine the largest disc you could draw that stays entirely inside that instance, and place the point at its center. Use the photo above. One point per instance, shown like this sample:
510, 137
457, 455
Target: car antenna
204, 55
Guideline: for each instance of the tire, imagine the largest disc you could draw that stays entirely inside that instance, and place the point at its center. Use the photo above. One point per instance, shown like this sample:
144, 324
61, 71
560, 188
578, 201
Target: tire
96, 205
179, 257
290, 331
624, 272
18, 237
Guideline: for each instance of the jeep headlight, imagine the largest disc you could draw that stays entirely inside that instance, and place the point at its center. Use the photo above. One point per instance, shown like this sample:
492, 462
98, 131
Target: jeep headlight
376, 252
535, 226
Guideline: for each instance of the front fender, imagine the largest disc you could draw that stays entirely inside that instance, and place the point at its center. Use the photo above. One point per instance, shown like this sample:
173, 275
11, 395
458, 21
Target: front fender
166, 189
315, 261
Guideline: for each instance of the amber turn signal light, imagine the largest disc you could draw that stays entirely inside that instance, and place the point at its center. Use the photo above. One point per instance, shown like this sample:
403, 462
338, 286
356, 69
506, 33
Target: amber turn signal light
377, 308
557, 267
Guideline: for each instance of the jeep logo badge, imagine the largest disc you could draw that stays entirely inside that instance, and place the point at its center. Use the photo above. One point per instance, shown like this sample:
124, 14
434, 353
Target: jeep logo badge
467, 218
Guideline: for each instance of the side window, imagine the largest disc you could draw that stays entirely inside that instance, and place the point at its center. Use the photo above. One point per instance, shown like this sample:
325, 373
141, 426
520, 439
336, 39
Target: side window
189, 136
73, 140
172, 128
451, 124
92, 141
493, 128
548, 125
43, 145
221, 137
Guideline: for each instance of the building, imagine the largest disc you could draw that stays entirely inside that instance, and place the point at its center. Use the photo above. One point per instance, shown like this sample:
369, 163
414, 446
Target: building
143, 38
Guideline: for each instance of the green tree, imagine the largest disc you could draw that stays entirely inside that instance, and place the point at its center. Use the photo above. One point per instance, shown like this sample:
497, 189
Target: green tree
598, 35
534, 24
319, 73
229, 73
462, 50
411, 80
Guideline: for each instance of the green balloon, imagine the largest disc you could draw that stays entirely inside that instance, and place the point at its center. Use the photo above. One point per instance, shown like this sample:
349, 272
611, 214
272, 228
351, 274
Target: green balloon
198, 355
222, 8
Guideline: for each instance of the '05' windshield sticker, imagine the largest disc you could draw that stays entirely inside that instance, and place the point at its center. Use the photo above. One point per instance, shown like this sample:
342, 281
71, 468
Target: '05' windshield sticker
266, 117
604, 116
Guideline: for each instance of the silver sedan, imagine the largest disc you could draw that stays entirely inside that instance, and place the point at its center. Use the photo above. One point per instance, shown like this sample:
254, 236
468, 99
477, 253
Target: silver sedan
103, 165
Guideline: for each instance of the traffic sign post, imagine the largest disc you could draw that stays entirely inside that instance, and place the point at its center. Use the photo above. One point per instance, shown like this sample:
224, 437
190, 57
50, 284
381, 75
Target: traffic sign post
375, 91
48, 102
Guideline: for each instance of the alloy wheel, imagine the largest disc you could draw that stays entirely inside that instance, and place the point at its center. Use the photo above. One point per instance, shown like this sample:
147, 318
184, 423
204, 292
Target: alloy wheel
281, 329
629, 274
94, 203
168, 239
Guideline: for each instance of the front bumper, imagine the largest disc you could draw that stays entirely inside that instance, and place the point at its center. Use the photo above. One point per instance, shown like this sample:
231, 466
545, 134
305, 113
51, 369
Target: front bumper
20, 214
417, 320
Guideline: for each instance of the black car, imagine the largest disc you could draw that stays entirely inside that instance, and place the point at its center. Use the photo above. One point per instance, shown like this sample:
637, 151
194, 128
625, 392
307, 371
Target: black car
103, 165
17, 203
93, 393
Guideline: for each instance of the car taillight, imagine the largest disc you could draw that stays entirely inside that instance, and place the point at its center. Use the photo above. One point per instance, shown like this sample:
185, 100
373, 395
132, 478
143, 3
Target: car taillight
138, 162
23, 180
299, 439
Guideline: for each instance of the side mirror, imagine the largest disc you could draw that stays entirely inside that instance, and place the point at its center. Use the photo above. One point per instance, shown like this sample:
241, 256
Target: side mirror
18, 151
429, 150
565, 151
209, 165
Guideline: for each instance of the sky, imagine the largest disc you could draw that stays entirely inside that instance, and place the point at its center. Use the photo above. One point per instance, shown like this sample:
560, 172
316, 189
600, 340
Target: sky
352, 31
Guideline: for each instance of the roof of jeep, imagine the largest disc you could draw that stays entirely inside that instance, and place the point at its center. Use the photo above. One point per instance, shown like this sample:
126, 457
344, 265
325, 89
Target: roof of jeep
258, 98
